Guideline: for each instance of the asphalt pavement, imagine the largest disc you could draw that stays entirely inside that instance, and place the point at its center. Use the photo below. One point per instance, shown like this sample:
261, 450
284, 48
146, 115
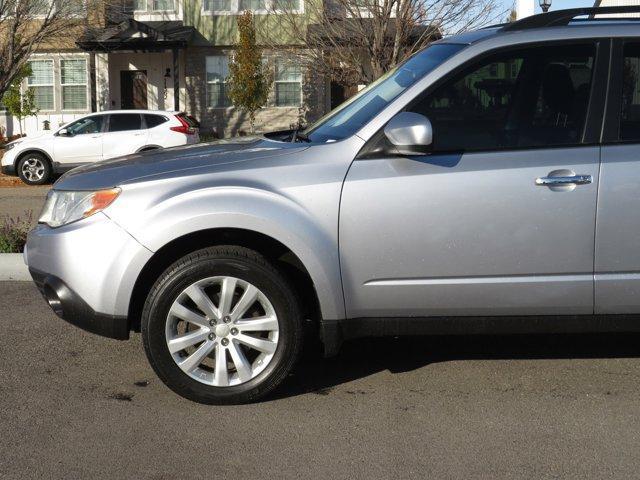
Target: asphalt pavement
74, 405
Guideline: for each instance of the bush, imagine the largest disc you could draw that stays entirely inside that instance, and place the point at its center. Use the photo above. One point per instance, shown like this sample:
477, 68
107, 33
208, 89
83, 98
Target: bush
13, 233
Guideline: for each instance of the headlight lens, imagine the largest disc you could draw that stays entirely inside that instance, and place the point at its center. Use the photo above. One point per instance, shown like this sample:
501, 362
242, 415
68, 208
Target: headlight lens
64, 207
9, 146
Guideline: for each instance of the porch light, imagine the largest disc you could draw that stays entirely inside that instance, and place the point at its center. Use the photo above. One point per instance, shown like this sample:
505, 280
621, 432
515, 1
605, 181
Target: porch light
545, 5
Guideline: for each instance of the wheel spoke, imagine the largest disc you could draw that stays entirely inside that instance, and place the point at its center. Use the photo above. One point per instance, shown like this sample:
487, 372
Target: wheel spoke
195, 359
200, 350
243, 367
260, 344
248, 298
257, 324
220, 374
183, 313
203, 301
226, 295
187, 340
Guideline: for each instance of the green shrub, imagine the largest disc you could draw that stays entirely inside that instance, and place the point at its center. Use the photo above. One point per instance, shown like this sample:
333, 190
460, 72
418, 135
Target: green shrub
13, 233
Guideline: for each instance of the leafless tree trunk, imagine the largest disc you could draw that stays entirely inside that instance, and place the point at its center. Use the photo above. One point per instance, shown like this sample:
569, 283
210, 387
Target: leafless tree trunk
357, 41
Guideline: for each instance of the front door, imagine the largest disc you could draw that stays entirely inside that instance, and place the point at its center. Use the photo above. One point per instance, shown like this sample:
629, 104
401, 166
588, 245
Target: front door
82, 144
133, 86
480, 227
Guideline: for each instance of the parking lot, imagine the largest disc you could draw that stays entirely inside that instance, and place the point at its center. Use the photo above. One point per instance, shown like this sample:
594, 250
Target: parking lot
74, 405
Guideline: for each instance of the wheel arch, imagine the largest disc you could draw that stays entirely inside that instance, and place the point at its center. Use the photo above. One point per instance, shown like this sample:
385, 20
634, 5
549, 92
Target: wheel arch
148, 148
274, 250
29, 150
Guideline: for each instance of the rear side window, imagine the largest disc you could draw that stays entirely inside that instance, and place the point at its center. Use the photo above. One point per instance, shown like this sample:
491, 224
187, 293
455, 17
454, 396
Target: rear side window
154, 120
630, 114
122, 122
533, 97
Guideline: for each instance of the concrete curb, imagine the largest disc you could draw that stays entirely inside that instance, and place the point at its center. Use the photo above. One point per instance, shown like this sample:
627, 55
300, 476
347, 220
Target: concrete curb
12, 267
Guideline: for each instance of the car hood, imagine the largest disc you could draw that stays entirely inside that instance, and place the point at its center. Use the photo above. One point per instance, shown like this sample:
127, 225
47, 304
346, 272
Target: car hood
38, 137
149, 165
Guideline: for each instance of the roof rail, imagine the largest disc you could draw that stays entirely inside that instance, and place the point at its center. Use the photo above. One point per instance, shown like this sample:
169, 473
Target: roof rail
564, 17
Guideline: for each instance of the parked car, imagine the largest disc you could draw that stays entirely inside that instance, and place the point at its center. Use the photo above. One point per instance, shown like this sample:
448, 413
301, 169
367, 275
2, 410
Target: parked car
436, 201
96, 137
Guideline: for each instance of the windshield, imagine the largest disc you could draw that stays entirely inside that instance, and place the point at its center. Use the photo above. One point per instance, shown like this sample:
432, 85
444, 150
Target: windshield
349, 117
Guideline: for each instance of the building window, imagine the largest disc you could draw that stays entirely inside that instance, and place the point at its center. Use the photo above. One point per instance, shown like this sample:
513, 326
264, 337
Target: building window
217, 5
252, 5
164, 5
140, 5
217, 73
288, 82
73, 78
41, 80
286, 5
257, 6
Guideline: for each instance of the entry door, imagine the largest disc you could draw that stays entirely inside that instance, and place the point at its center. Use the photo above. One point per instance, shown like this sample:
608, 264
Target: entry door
133, 86
485, 231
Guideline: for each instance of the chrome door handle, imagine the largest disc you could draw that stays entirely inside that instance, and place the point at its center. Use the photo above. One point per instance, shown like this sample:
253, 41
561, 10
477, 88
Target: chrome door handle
559, 181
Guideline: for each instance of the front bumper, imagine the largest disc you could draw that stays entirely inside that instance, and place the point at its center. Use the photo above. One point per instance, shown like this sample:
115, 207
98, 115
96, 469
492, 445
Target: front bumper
69, 306
8, 170
87, 271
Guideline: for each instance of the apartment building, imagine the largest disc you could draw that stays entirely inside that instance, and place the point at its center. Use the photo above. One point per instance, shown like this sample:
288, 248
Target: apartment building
166, 54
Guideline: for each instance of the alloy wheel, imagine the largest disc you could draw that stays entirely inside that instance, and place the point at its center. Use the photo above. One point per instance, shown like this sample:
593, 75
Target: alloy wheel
33, 169
222, 331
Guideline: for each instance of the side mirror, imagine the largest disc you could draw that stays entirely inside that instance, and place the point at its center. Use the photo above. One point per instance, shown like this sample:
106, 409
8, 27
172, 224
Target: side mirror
63, 132
410, 133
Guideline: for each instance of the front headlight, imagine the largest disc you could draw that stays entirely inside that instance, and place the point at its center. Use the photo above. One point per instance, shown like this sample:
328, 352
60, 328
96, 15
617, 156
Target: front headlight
9, 146
63, 207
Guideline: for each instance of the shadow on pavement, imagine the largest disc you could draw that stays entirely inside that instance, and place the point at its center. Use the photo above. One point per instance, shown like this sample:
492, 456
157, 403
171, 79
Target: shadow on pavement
364, 357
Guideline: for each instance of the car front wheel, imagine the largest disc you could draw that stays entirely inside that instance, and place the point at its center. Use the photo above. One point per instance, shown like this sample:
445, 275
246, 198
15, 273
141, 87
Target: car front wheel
222, 325
34, 169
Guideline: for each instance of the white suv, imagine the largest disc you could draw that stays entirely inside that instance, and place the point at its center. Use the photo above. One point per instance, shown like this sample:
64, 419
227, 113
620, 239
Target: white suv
95, 137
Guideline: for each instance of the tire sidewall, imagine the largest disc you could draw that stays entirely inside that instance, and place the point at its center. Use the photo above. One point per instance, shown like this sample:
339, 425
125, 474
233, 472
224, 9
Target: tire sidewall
179, 277
45, 162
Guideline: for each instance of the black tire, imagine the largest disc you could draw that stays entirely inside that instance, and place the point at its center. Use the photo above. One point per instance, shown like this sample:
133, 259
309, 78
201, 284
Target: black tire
41, 161
246, 265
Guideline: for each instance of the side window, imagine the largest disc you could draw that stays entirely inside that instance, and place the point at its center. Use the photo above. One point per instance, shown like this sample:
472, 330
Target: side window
526, 98
630, 115
154, 120
86, 125
121, 122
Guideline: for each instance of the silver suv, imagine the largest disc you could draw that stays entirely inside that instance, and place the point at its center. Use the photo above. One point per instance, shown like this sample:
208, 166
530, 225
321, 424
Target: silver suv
490, 183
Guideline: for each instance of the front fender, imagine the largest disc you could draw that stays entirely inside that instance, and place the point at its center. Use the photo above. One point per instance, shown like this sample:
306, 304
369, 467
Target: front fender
309, 232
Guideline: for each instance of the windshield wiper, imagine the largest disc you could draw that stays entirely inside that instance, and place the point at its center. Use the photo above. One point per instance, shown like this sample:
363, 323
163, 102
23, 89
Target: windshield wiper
297, 135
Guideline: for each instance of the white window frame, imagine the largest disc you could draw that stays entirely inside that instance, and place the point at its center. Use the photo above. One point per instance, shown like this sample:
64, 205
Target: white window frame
276, 81
85, 85
235, 9
52, 84
207, 82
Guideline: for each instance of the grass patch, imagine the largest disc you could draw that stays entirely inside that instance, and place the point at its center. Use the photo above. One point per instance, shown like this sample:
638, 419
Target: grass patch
13, 233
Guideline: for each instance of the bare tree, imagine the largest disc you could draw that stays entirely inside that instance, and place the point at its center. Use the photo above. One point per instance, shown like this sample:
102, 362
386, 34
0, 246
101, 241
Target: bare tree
356, 41
26, 25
